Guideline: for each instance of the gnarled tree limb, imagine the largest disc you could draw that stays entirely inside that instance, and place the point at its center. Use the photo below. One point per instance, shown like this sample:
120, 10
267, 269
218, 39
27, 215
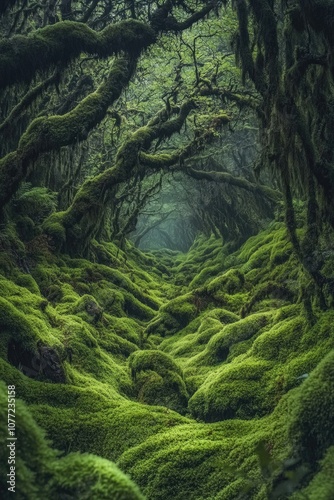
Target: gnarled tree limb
60, 43
47, 134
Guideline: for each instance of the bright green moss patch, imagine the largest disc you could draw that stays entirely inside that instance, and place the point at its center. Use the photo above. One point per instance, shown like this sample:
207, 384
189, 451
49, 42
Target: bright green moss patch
168, 390
282, 341
34, 457
237, 390
193, 466
219, 346
231, 282
204, 275
40, 472
88, 476
192, 400
183, 309
202, 458
158, 380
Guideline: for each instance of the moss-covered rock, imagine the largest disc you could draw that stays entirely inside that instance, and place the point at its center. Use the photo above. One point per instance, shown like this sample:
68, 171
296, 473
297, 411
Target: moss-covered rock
231, 282
219, 346
282, 341
183, 309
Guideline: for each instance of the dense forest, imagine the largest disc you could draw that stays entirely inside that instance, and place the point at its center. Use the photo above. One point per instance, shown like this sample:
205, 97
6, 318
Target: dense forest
167, 249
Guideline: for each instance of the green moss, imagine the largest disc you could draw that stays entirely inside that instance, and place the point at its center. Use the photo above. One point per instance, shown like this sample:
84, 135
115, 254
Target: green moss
190, 461
88, 308
26, 228
231, 282
39, 472
193, 467
133, 307
53, 226
33, 456
88, 476
157, 361
322, 485
129, 35
6, 264
260, 379
36, 203
28, 282
282, 341
219, 346
168, 390
17, 325
313, 417
236, 390
127, 328
204, 275
183, 309
158, 380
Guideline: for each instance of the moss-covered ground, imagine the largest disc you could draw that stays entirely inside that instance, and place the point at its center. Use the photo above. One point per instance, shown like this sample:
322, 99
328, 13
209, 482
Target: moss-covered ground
164, 375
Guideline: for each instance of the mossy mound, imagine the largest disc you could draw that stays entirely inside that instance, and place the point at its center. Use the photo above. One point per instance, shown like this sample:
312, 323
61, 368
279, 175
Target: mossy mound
158, 380
222, 343
33, 456
41, 473
189, 464
313, 417
152, 360
183, 309
88, 476
231, 282
237, 390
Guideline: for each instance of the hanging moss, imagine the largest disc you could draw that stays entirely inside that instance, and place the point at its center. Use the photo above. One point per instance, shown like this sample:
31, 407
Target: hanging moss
80, 219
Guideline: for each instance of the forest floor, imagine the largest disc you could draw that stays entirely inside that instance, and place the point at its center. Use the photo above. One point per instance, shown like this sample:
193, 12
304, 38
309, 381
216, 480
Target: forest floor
199, 375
